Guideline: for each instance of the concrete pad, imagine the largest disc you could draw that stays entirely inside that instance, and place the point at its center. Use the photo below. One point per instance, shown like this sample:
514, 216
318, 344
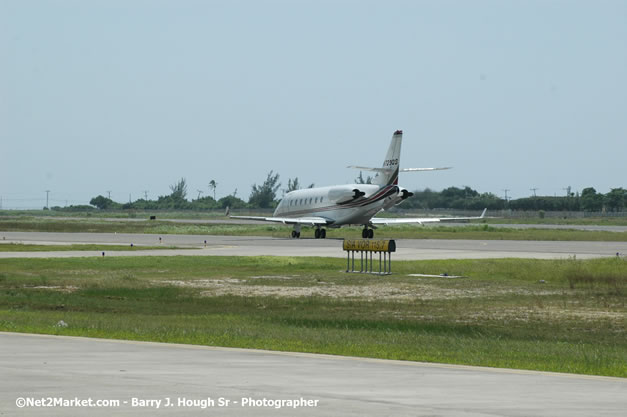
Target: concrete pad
42, 367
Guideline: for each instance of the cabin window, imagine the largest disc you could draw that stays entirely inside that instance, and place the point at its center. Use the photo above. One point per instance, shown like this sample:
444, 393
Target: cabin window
316, 200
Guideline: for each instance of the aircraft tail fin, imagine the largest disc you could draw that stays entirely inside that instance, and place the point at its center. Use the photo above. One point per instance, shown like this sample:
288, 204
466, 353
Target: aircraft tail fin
388, 175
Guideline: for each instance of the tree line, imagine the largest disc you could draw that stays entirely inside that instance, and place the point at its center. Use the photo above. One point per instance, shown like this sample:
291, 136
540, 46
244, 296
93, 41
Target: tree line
468, 199
261, 196
266, 195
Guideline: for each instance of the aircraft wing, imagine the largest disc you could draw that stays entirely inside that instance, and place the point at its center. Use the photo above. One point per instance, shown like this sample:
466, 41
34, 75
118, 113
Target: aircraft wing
402, 169
370, 168
387, 221
305, 221
423, 169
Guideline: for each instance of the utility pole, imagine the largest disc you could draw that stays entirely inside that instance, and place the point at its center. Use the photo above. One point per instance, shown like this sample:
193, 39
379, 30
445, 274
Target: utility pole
506, 190
567, 189
199, 193
47, 194
146, 195
109, 193
534, 192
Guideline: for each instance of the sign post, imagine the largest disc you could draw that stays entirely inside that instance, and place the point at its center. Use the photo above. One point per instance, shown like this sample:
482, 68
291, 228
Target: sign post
369, 247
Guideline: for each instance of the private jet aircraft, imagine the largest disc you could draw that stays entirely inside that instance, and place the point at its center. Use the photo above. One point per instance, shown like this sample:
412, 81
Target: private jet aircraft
351, 204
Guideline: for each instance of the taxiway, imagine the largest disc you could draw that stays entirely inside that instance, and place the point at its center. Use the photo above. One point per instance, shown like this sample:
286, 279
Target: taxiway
407, 249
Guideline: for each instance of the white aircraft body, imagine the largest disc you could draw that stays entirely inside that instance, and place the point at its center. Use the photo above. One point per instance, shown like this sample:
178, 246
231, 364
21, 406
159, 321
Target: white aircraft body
351, 204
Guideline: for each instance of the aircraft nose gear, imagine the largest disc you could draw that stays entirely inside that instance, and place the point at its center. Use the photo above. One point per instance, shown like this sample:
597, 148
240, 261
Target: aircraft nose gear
367, 233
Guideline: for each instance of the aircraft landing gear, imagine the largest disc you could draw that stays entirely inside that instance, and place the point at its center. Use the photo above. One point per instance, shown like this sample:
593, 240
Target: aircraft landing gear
320, 233
295, 234
367, 233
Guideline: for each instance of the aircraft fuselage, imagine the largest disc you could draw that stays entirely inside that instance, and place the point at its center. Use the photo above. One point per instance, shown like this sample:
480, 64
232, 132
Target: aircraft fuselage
339, 204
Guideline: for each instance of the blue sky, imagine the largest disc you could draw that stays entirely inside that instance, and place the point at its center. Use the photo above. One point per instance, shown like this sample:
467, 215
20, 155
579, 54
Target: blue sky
130, 96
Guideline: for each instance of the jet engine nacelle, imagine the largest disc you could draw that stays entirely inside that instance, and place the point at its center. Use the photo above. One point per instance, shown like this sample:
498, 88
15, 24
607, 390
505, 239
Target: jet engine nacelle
396, 199
404, 193
346, 195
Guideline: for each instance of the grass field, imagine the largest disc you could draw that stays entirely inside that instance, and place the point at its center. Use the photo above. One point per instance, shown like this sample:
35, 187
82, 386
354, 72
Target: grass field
585, 221
528, 217
552, 315
478, 231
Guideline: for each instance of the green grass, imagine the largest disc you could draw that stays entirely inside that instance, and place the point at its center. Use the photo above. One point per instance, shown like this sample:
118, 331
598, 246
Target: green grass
501, 315
22, 247
530, 217
127, 214
478, 231
583, 221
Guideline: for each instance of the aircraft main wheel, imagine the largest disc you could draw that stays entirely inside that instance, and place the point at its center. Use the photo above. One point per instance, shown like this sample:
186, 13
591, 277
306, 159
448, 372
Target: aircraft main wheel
323, 233
317, 233
293, 234
364, 233
370, 233
297, 235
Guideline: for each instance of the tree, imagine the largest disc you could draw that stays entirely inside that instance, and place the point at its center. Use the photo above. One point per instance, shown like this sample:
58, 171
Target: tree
616, 199
295, 185
103, 203
292, 185
591, 200
179, 190
263, 196
360, 179
231, 201
212, 186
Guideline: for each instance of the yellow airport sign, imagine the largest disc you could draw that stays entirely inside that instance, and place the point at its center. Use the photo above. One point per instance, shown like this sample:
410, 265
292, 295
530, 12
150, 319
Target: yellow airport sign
367, 245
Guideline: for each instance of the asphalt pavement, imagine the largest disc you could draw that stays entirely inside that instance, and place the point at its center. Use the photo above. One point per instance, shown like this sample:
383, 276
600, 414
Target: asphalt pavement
407, 249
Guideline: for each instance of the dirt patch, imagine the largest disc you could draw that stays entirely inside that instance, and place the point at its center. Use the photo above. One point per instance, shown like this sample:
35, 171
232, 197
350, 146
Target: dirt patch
202, 283
66, 289
383, 291
526, 314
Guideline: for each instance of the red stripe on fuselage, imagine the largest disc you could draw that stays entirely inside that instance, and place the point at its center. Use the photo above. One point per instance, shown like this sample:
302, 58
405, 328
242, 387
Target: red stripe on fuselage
382, 193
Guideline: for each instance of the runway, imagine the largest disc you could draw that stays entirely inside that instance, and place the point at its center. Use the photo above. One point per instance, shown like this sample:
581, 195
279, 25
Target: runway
407, 249
38, 366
